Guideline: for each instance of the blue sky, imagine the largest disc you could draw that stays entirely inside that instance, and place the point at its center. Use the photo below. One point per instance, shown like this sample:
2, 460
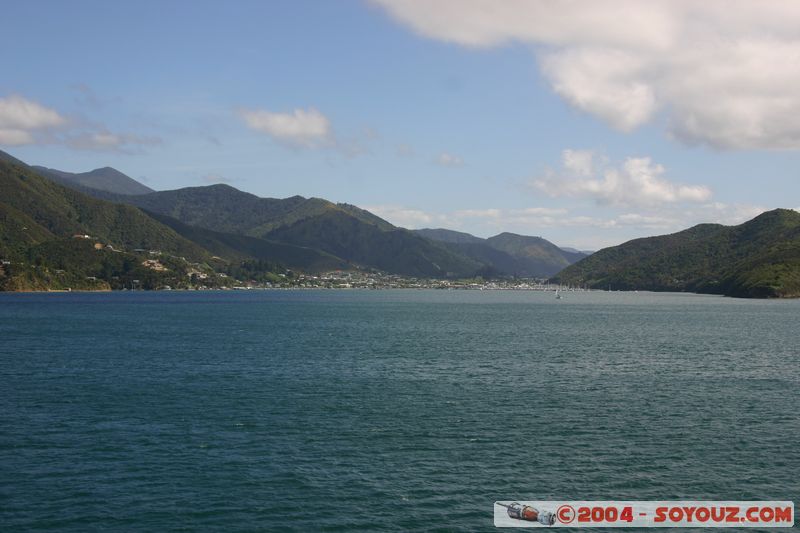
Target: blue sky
588, 128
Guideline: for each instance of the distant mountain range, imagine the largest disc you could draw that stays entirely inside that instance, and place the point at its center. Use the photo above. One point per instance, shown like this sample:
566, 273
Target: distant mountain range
355, 235
357, 238
507, 253
45, 215
760, 258
221, 223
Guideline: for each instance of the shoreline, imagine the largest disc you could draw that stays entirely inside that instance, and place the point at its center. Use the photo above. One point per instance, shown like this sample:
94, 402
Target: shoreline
371, 289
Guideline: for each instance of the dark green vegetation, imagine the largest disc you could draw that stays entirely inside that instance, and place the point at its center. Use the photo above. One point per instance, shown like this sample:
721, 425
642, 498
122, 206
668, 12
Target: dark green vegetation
392, 250
507, 253
34, 209
76, 264
242, 247
52, 237
757, 259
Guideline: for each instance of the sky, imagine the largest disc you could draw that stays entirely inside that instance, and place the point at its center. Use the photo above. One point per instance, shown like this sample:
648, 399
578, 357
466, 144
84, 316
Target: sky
588, 123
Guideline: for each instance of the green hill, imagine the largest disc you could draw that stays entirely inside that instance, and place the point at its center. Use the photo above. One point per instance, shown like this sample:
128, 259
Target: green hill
760, 258
53, 237
229, 210
34, 209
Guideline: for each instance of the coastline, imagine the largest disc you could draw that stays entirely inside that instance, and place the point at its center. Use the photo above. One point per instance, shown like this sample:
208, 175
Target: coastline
552, 290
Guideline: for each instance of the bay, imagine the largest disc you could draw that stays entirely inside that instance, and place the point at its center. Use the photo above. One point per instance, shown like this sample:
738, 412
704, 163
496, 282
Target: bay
385, 410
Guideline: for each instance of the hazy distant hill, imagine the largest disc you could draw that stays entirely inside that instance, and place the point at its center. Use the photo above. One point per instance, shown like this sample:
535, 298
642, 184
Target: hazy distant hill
507, 254
760, 258
103, 179
535, 249
576, 251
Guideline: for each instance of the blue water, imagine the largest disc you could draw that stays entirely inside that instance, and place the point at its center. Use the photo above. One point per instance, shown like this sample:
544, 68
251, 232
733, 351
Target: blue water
385, 410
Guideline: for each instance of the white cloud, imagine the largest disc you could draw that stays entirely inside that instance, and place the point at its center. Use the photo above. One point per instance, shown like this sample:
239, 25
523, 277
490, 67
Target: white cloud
103, 140
725, 73
496, 219
15, 137
17, 112
24, 121
406, 217
604, 83
529, 213
579, 162
479, 213
404, 150
21, 119
595, 232
307, 128
728, 214
446, 159
213, 179
482, 23
637, 182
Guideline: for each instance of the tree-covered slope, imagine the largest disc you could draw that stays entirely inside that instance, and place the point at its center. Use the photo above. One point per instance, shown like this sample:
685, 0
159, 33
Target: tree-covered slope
34, 209
760, 258
242, 247
394, 250
335, 232
229, 210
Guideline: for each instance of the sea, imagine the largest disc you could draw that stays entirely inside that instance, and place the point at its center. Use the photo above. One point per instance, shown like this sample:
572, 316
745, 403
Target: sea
395, 410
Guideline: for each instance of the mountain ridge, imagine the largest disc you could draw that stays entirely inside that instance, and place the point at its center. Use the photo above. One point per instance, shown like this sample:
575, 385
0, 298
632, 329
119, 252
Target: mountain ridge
507, 253
758, 258
106, 179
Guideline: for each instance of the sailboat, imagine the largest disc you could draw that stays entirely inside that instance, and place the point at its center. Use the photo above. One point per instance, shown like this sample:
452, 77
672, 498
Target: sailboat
558, 294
